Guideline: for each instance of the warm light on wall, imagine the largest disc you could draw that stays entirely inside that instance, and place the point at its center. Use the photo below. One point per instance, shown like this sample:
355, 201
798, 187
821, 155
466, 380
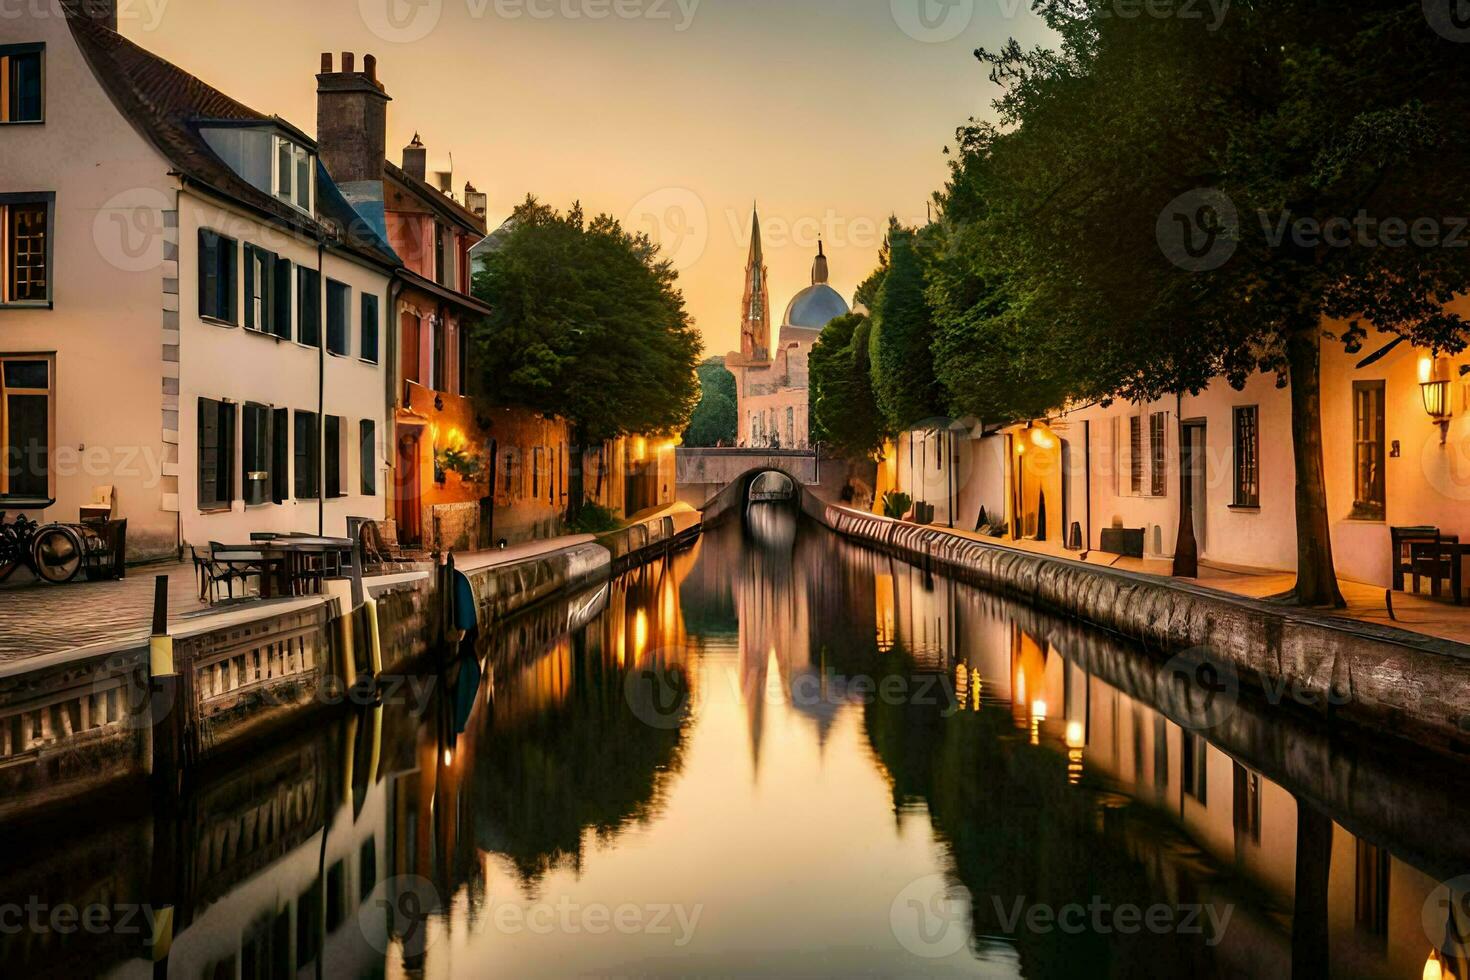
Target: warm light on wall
1076, 737
1434, 384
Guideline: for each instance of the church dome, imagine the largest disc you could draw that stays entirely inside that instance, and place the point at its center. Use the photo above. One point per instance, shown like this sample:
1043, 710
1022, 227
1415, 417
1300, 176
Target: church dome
818, 304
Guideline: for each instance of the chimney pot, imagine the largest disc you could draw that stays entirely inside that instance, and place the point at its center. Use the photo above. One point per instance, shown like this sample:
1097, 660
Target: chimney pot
370, 66
349, 62
326, 62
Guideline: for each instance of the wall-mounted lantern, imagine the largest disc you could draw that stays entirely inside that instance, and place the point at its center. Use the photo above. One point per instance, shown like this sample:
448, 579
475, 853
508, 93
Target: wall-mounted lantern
1434, 384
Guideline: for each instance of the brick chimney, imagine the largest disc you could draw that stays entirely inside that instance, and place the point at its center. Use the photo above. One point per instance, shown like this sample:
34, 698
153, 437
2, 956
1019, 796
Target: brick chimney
416, 159
475, 201
351, 119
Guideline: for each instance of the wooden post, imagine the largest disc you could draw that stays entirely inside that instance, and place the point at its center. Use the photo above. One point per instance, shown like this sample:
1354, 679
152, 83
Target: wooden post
165, 707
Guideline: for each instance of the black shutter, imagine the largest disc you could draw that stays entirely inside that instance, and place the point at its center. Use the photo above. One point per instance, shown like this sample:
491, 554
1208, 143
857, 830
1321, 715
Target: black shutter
369, 328
226, 485
309, 305
281, 300
308, 456
334, 456
208, 454
208, 272
281, 455
250, 320
368, 437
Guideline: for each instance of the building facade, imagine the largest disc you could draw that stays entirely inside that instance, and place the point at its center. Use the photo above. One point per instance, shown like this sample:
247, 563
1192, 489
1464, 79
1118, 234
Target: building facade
1388, 462
191, 311
771, 383
438, 461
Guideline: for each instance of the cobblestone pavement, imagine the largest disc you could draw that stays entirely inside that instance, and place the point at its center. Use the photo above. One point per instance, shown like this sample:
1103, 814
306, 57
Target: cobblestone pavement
37, 620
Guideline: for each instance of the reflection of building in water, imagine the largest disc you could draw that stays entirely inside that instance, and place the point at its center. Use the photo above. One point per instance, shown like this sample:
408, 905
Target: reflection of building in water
1200, 823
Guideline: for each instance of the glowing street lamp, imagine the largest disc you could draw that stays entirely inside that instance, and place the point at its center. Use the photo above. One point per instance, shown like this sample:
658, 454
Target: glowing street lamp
1434, 384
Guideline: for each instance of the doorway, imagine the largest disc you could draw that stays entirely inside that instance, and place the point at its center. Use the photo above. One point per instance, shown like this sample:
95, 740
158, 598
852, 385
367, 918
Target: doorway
1196, 472
406, 490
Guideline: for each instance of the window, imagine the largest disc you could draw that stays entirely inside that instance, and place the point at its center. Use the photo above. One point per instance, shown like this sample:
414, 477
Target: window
25, 246
267, 292
308, 456
1158, 441
1195, 755
441, 255
1247, 456
20, 83
295, 173
463, 368
1135, 453
368, 343
336, 456
1370, 889
281, 455
436, 352
26, 408
1368, 442
216, 454
409, 368
309, 307
338, 298
257, 454
367, 438
1247, 809
217, 263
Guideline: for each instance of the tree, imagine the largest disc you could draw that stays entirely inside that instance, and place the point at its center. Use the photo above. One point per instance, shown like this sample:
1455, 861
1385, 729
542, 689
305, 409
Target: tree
902, 335
844, 416
1188, 199
716, 419
588, 325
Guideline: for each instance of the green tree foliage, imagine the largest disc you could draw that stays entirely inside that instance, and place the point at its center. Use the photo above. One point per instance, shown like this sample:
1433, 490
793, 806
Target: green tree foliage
904, 385
844, 416
1171, 200
588, 324
716, 418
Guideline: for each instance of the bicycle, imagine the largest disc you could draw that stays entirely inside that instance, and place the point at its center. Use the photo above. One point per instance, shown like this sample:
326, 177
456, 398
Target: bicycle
54, 552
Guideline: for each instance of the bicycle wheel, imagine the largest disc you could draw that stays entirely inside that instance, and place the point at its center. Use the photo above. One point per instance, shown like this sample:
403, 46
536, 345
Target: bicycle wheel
56, 554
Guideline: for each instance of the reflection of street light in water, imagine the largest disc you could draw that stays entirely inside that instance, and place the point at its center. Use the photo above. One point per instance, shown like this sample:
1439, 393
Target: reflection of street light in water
640, 635
1038, 715
1076, 740
1432, 969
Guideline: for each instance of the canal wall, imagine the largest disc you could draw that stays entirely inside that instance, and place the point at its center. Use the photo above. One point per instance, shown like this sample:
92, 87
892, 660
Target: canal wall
1387, 681
79, 722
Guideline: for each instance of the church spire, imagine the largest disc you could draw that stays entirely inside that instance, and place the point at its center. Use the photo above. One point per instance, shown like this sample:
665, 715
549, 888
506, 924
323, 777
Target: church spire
755, 323
756, 256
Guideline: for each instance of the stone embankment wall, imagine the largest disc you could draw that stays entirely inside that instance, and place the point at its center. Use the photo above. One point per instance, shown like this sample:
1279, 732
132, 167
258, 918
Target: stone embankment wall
1387, 681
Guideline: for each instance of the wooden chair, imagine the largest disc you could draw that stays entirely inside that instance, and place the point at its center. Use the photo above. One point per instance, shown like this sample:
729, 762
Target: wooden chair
1404, 539
1438, 561
236, 563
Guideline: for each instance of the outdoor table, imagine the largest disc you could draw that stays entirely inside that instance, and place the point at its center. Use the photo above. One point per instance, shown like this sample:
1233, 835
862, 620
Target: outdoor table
1450, 545
294, 552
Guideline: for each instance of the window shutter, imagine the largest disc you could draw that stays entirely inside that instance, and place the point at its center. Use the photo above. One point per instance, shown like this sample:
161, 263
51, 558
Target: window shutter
281, 299
226, 484
250, 320
208, 271
229, 262
368, 437
208, 454
334, 456
280, 455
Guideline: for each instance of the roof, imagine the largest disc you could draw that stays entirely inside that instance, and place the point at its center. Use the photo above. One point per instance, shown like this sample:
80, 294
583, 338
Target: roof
448, 207
463, 300
815, 307
167, 105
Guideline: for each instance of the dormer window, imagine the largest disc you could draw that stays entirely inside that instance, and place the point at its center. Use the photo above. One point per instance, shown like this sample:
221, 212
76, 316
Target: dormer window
295, 174
20, 83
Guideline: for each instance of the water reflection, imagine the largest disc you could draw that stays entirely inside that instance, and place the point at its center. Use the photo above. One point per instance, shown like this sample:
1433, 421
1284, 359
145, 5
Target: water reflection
774, 754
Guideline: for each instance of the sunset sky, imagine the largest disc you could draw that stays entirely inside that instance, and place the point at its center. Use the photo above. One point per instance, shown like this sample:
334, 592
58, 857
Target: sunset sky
832, 113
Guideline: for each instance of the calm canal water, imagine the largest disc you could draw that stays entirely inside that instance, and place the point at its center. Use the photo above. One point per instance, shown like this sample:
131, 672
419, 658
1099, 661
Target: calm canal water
774, 755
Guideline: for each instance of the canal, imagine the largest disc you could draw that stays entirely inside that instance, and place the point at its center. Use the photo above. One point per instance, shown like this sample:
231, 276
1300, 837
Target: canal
774, 754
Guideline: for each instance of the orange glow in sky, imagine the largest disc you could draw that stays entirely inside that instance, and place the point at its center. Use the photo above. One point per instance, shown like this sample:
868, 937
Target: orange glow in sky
674, 115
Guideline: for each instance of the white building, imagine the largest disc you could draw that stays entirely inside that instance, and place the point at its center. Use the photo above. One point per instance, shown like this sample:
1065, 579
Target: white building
191, 314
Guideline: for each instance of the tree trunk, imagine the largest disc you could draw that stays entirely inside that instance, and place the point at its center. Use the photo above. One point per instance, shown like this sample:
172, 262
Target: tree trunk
1316, 575
576, 489
1309, 934
1186, 547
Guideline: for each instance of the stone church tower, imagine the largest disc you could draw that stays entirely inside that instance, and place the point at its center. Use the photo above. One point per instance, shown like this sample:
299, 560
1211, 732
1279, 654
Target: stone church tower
755, 308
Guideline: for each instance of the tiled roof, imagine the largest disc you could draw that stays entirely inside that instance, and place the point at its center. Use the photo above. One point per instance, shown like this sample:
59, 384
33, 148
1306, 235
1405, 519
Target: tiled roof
166, 104
447, 206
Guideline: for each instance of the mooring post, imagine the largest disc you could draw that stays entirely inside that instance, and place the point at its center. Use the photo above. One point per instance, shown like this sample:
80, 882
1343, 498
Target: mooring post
165, 710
